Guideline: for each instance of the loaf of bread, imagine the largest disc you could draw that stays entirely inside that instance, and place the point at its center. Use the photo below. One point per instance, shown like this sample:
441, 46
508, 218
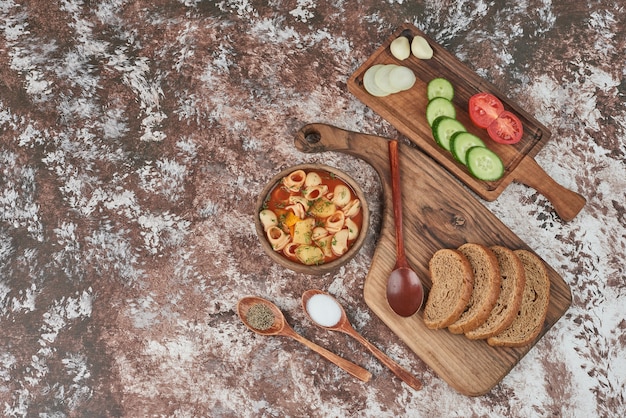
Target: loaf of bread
528, 322
510, 298
452, 284
486, 289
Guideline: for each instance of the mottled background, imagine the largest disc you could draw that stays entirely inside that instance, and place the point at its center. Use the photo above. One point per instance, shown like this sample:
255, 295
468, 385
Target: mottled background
136, 135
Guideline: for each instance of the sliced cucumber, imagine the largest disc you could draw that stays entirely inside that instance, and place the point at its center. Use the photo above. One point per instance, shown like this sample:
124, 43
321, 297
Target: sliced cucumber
439, 107
484, 164
443, 129
460, 142
440, 87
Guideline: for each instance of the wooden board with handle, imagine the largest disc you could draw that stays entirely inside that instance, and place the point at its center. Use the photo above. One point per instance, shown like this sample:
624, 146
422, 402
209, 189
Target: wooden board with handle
438, 213
406, 111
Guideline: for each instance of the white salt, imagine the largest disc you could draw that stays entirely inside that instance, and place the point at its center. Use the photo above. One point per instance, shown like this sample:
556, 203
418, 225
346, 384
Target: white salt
324, 310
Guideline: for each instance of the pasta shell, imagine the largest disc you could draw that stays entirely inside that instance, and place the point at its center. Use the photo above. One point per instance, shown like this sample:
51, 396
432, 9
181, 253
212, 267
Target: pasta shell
299, 199
319, 232
353, 229
295, 180
312, 179
290, 250
339, 244
298, 210
315, 192
352, 209
334, 223
325, 244
277, 238
268, 219
341, 195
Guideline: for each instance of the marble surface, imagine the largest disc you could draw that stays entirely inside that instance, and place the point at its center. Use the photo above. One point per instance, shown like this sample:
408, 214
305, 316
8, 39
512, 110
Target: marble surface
136, 135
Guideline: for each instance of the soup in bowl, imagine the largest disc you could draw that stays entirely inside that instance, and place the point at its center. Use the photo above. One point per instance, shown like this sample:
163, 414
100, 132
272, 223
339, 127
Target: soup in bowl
312, 218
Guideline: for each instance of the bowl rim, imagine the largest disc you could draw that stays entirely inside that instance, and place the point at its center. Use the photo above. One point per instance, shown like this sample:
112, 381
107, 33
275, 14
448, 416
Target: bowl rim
318, 268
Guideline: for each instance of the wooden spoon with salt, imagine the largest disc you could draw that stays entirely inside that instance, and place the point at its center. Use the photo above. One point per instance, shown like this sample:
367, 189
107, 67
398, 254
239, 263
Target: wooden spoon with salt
343, 325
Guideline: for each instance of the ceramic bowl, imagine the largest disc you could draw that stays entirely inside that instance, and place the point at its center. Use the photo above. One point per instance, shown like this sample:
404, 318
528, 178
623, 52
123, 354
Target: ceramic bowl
325, 267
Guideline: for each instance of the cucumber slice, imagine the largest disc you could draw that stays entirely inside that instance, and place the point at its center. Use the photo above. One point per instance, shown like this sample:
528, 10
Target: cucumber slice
440, 87
484, 164
443, 129
439, 107
460, 142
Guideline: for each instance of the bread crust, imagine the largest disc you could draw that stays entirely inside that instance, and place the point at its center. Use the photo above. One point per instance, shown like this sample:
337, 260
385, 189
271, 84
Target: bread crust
448, 268
510, 298
486, 290
532, 314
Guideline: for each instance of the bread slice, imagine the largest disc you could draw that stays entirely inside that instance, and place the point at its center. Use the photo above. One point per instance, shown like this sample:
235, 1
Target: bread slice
452, 283
486, 289
532, 314
510, 298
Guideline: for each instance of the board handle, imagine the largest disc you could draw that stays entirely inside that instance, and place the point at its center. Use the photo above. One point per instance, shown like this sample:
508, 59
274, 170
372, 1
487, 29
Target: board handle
320, 137
567, 203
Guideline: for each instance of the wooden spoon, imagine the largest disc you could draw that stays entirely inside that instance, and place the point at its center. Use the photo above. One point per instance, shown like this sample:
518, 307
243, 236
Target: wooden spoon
281, 327
344, 326
405, 292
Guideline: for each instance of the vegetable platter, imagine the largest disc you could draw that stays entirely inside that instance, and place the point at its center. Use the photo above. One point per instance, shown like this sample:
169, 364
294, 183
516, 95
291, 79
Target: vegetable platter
438, 213
406, 111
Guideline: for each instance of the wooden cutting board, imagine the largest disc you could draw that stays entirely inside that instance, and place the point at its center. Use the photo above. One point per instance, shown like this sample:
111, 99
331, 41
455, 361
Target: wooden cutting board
406, 111
438, 213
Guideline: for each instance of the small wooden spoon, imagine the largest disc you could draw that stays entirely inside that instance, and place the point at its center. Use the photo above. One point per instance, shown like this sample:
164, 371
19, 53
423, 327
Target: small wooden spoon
281, 327
405, 292
344, 326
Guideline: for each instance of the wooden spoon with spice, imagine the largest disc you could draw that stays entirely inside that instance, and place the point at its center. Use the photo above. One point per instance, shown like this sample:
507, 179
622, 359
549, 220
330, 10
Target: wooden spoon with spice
326, 312
265, 318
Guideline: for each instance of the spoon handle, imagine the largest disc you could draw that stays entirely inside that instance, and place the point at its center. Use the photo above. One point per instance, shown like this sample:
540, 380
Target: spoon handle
398, 370
396, 198
356, 371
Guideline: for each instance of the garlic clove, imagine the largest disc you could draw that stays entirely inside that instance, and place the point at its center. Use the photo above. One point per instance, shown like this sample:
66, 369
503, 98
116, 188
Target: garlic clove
420, 48
400, 48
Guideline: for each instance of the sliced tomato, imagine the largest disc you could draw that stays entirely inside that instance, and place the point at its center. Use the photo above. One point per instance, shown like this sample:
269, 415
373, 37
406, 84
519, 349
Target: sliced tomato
484, 108
506, 129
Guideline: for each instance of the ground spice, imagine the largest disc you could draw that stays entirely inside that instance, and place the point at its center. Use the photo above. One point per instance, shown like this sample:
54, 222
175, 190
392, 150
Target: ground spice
260, 317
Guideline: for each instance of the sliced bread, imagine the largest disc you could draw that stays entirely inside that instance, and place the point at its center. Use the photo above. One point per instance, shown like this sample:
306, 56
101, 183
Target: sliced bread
486, 289
532, 314
510, 298
452, 283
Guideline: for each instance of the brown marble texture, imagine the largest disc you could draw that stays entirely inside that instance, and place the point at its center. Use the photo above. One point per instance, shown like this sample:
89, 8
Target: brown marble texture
136, 135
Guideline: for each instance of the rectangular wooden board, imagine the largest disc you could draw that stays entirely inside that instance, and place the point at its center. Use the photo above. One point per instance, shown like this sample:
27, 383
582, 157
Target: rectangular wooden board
406, 111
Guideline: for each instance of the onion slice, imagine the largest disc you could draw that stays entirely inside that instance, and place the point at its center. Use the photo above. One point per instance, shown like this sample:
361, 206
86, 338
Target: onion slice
382, 79
369, 82
401, 78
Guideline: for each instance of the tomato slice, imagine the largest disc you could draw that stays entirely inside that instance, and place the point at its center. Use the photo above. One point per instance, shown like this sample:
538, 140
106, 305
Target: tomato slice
484, 108
506, 129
